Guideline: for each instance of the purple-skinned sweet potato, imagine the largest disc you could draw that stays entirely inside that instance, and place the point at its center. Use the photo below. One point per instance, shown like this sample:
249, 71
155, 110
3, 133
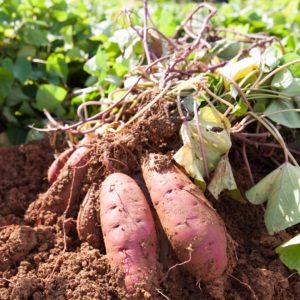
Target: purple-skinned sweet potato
163, 243
67, 187
88, 227
58, 164
192, 225
128, 231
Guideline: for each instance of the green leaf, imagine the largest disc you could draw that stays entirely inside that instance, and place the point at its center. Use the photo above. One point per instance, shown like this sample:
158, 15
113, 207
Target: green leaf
282, 79
16, 134
114, 79
259, 107
68, 37
61, 16
103, 28
273, 51
56, 65
121, 69
290, 253
26, 109
240, 109
91, 80
6, 81
73, 55
288, 119
270, 64
233, 91
188, 102
127, 40
97, 65
22, 69
34, 135
293, 89
216, 143
16, 96
50, 96
9, 115
223, 179
90, 66
282, 190
225, 49
295, 68
27, 51
35, 37
8, 64
101, 60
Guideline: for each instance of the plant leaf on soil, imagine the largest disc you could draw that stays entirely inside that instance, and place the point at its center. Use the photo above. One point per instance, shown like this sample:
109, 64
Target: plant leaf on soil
290, 253
282, 190
216, 138
223, 179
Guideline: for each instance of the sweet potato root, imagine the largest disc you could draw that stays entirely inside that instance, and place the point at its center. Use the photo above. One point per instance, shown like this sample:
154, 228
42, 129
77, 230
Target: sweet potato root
88, 227
66, 188
128, 230
162, 239
58, 164
190, 222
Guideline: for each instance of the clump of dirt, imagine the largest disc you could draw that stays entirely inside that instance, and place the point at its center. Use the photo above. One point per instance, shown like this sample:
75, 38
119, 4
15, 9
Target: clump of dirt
23, 175
29, 254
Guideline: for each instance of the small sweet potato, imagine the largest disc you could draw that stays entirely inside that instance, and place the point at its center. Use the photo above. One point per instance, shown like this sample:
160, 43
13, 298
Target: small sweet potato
190, 222
128, 231
68, 184
58, 164
88, 227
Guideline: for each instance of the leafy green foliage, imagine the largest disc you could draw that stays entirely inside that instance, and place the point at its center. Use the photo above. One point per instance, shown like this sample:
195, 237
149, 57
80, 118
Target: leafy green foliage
289, 253
282, 190
223, 179
216, 142
71, 44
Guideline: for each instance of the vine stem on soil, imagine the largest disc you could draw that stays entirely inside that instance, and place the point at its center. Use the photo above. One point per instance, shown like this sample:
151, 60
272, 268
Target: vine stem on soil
240, 137
201, 140
247, 163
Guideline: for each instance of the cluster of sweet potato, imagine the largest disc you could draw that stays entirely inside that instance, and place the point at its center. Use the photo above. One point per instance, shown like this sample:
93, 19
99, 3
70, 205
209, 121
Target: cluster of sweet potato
194, 229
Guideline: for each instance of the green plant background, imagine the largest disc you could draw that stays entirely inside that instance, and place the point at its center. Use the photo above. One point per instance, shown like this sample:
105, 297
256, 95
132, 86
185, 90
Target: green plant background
49, 49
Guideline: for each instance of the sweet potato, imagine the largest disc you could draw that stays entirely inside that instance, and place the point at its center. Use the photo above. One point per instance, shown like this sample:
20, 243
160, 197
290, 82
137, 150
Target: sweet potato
128, 230
162, 240
61, 192
88, 227
190, 222
58, 164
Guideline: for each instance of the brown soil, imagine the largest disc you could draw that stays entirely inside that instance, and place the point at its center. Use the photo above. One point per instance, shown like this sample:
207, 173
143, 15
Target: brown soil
28, 254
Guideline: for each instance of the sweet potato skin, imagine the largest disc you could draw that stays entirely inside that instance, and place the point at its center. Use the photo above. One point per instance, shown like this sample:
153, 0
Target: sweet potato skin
58, 196
128, 230
190, 222
58, 164
88, 227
